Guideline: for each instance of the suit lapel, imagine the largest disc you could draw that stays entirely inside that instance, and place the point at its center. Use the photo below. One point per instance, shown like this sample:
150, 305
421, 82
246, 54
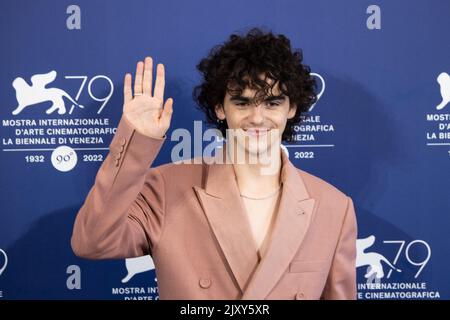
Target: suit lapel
226, 215
294, 217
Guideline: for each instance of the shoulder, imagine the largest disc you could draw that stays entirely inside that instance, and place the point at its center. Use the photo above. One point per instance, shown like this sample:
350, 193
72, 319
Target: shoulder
333, 206
323, 190
186, 166
178, 174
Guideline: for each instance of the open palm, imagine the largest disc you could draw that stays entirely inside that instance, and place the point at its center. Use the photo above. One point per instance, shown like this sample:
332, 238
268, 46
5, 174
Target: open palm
146, 112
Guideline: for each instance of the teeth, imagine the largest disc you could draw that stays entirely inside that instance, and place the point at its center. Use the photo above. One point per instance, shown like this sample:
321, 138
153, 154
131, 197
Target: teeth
256, 132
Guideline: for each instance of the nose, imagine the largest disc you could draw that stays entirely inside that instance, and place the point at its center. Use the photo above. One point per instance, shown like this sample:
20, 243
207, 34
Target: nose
257, 114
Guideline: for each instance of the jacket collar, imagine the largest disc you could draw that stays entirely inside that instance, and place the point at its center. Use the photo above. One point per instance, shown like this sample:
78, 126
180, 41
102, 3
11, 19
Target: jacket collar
226, 214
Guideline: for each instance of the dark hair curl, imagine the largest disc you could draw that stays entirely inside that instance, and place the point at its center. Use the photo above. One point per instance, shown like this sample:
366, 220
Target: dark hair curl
238, 63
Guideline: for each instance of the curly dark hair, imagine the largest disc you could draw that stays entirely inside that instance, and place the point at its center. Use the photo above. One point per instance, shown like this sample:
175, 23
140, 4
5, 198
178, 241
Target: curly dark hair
236, 64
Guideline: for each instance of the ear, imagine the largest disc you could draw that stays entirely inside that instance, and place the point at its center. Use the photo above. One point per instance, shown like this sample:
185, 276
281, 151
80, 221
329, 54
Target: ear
220, 112
292, 111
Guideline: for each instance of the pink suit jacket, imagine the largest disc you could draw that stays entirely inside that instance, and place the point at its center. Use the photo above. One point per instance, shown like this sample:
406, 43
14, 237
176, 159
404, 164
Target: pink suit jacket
190, 218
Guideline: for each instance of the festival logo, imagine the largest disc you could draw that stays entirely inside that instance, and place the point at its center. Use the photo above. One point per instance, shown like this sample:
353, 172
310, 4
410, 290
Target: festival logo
50, 125
135, 266
314, 133
438, 123
381, 276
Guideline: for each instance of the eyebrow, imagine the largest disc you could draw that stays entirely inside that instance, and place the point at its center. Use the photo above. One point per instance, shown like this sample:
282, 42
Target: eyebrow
247, 99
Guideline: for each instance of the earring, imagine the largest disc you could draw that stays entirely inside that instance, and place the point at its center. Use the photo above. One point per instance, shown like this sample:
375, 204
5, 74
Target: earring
219, 121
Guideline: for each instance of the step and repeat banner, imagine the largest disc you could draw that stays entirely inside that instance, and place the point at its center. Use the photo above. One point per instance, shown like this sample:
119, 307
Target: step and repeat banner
380, 130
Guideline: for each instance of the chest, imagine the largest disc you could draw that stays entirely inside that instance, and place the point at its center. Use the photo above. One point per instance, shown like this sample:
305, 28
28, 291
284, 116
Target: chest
261, 215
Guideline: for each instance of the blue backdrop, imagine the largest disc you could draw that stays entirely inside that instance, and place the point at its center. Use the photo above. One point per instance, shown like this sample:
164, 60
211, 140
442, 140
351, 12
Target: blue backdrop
380, 130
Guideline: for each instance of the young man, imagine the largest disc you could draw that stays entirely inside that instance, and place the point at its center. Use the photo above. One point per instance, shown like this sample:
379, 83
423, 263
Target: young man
224, 229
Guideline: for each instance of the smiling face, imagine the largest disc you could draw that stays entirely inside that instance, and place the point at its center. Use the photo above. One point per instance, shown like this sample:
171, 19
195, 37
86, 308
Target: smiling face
257, 121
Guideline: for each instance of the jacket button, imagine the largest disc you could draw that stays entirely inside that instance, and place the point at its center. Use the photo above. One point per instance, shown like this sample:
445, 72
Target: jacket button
117, 156
205, 283
300, 296
116, 162
122, 141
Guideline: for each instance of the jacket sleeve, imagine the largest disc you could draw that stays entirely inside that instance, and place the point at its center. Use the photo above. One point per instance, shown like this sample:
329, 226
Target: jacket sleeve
341, 282
123, 213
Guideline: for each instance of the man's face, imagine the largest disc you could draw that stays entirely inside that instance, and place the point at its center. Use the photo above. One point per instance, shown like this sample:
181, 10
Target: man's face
257, 122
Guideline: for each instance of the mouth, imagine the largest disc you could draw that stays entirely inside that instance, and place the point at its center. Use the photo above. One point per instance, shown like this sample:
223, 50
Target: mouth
256, 132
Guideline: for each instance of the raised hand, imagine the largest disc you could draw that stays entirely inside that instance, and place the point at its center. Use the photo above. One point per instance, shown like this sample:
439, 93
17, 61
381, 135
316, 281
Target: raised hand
145, 112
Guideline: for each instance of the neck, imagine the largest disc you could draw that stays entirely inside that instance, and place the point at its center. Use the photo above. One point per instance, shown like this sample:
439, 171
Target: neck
259, 179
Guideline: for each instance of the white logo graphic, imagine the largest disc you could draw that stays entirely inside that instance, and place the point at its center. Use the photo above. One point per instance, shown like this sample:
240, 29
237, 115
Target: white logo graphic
27, 95
73, 21
373, 21
138, 265
371, 259
4, 263
444, 81
64, 158
74, 279
319, 95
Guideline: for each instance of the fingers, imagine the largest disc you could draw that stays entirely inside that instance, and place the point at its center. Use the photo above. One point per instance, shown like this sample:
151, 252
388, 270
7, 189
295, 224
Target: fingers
160, 82
148, 75
138, 77
127, 93
166, 114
